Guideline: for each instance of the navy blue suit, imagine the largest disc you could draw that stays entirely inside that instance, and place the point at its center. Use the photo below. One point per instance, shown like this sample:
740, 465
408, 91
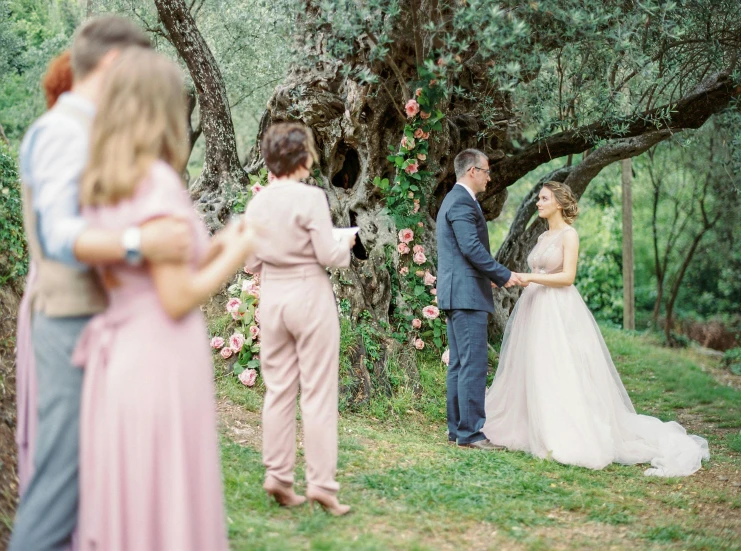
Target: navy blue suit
465, 270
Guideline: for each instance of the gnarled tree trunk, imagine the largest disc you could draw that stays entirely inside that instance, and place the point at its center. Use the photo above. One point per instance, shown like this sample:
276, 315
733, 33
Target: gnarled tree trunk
222, 171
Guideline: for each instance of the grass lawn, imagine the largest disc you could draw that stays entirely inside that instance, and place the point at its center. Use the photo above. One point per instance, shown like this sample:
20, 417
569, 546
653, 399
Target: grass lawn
410, 490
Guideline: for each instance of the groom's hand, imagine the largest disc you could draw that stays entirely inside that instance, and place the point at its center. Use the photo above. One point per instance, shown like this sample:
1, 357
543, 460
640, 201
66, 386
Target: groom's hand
513, 280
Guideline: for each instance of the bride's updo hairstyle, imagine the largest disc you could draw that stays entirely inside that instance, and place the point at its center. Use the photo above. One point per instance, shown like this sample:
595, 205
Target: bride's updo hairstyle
565, 199
286, 147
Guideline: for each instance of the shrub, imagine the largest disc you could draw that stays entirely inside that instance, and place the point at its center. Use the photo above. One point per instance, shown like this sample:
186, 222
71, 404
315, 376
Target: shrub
732, 359
13, 257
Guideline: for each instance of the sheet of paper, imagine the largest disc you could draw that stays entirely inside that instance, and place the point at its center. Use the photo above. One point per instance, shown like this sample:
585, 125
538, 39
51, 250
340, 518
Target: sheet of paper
341, 233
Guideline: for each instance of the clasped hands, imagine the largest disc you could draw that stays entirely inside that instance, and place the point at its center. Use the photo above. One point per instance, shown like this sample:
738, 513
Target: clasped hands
523, 280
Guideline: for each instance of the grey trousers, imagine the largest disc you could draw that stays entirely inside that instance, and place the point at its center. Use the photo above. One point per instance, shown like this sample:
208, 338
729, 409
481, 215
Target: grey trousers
466, 380
47, 515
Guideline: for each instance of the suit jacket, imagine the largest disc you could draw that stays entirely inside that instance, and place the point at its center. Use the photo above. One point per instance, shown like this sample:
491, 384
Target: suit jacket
465, 266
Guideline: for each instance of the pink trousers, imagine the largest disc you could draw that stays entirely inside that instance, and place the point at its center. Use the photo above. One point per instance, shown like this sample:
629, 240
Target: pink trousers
300, 349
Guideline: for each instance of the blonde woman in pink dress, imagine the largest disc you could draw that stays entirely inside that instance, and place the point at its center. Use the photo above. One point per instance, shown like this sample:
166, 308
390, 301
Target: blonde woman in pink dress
149, 462
557, 393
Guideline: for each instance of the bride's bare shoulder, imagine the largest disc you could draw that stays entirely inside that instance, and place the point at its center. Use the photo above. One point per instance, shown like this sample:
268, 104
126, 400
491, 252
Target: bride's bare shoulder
570, 234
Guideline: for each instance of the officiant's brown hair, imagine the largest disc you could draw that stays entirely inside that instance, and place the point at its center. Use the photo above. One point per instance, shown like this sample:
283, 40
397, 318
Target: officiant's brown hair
286, 147
565, 199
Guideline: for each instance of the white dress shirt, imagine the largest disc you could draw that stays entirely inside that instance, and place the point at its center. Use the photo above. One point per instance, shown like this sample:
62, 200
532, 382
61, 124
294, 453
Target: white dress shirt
52, 157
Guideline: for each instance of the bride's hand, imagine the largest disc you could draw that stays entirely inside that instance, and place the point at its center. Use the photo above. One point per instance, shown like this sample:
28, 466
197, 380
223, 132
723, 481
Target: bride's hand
524, 279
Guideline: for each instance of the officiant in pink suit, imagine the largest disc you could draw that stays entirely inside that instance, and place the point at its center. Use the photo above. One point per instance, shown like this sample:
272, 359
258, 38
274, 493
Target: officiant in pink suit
299, 323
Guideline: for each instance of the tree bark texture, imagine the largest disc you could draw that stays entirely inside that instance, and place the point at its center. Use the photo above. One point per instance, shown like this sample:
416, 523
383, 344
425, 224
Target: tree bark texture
222, 171
629, 315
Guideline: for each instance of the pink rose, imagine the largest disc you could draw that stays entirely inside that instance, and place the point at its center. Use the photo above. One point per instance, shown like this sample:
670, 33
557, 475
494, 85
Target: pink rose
406, 235
446, 357
254, 292
233, 305
226, 352
419, 273
426, 136
257, 315
404, 271
236, 342
254, 331
416, 207
430, 312
217, 342
421, 224
429, 278
237, 315
403, 248
256, 278
422, 157
424, 115
412, 168
433, 291
419, 133
420, 258
257, 188
248, 377
418, 249
416, 323
248, 285
419, 344
407, 144
418, 92
411, 107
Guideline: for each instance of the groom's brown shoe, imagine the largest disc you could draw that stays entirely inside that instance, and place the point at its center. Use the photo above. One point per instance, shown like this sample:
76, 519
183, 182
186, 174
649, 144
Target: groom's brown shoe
484, 444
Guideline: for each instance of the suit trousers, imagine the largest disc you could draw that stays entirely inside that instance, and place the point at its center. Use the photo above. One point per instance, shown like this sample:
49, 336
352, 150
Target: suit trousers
47, 514
466, 380
300, 348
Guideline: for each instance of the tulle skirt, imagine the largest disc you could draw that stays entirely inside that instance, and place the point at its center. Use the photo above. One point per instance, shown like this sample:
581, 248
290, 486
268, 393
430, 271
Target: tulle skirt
557, 394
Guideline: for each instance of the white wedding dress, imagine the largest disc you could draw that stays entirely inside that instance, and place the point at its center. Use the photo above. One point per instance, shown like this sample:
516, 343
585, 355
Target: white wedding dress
557, 393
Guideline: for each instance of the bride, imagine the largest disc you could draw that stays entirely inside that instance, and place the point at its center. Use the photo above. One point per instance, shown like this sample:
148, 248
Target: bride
557, 393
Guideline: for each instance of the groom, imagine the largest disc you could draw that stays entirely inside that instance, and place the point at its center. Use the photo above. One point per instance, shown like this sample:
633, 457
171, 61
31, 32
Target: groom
464, 272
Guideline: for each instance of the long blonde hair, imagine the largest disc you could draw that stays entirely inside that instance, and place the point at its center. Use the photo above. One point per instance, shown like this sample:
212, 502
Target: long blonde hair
141, 118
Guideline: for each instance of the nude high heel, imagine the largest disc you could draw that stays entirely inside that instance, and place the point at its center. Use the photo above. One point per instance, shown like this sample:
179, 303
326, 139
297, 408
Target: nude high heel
329, 502
284, 495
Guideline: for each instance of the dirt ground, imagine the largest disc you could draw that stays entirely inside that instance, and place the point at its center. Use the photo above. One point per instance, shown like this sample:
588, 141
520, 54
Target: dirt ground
9, 300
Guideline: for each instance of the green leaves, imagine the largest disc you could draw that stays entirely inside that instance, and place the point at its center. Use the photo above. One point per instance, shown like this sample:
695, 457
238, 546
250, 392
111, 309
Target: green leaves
13, 257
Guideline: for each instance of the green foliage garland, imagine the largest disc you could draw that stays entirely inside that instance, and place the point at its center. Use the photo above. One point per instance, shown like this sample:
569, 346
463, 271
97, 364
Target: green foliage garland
417, 317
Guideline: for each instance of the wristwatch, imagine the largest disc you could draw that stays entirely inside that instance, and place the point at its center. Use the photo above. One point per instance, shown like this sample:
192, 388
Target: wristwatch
131, 242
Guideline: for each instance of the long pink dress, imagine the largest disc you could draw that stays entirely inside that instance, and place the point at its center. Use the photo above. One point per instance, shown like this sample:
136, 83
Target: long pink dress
558, 395
149, 462
25, 392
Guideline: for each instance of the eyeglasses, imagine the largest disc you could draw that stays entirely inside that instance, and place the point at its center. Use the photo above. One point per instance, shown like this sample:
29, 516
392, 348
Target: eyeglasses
487, 170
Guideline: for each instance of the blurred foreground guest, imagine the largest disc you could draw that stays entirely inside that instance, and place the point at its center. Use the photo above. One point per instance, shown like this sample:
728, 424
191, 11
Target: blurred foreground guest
300, 329
56, 81
149, 459
58, 78
64, 292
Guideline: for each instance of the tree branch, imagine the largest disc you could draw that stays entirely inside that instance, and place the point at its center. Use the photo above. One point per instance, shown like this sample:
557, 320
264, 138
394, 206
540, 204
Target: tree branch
689, 112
